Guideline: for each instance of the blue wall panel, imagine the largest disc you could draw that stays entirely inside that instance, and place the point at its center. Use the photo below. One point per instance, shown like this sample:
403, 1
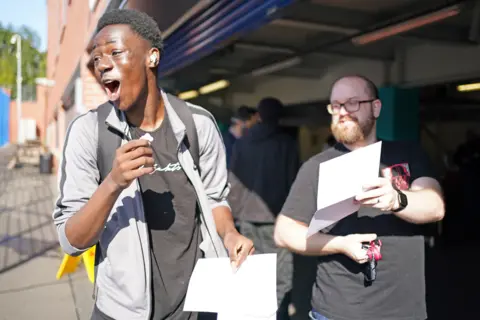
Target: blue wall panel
212, 28
4, 118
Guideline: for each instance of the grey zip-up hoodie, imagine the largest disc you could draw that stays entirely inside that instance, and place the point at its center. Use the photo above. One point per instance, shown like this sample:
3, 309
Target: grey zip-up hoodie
123, 281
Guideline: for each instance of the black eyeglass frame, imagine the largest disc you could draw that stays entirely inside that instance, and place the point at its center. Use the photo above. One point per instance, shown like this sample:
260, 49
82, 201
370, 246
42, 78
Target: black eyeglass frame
354, 105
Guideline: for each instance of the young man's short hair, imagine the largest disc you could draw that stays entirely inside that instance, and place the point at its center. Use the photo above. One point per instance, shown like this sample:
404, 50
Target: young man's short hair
140, 22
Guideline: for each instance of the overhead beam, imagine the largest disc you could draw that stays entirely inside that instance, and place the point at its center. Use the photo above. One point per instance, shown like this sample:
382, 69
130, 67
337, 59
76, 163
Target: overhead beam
352, 55
313, 26
201, 5
326, 54
407, 24
263, 48
320, 27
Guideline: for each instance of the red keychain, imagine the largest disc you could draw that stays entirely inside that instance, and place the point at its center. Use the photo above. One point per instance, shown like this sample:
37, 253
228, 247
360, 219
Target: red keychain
374, 254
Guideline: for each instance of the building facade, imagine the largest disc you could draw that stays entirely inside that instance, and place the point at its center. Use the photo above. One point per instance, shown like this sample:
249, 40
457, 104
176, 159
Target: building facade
71, 24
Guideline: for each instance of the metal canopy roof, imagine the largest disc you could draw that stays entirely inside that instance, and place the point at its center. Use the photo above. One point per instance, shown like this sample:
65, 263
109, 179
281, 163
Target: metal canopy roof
311, 35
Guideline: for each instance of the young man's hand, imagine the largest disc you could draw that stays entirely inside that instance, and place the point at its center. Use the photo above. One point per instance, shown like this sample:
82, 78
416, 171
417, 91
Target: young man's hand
132, 160
239, 247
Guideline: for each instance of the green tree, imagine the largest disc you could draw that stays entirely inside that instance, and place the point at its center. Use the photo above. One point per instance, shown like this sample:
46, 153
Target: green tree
33, 61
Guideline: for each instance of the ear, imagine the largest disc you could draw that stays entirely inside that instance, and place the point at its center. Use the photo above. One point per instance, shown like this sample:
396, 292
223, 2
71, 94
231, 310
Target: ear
377, 107
153, 58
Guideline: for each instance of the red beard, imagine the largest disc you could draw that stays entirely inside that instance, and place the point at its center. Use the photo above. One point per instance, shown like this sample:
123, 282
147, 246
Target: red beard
353, 132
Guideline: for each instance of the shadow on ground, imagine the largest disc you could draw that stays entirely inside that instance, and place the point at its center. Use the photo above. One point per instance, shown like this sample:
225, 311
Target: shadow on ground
26, 228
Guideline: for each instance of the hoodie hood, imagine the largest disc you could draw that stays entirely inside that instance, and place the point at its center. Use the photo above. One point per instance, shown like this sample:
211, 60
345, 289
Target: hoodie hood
261, 131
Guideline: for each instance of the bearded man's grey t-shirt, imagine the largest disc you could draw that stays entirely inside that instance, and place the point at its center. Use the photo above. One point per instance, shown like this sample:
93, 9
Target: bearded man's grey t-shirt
339, 291
173, 221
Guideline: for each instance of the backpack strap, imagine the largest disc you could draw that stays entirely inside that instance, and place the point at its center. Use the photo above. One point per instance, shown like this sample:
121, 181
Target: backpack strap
185, 114
108, 142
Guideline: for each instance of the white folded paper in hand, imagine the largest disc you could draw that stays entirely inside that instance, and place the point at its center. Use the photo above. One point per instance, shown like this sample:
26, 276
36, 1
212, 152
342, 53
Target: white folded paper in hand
339, 181
147, 136
250, 293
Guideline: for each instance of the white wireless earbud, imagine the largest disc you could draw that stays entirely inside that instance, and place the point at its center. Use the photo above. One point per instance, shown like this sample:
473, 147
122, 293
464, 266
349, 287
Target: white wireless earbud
153, 58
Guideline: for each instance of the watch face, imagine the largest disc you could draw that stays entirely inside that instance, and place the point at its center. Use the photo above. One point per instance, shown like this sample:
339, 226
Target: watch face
402, 199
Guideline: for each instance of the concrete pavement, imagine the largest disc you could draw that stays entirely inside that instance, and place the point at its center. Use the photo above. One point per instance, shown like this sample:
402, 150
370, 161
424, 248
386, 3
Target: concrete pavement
29, 251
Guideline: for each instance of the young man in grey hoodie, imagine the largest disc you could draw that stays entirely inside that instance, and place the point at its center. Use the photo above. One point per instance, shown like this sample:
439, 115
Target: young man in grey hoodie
156, 211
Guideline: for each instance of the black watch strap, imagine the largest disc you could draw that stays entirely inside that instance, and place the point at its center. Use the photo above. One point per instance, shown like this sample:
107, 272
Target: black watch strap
402, 201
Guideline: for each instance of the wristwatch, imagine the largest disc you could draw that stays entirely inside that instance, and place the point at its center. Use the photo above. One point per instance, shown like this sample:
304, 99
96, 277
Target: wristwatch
402, 201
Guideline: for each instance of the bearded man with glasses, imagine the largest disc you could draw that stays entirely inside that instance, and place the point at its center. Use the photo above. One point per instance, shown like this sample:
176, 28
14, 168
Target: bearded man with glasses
393, 208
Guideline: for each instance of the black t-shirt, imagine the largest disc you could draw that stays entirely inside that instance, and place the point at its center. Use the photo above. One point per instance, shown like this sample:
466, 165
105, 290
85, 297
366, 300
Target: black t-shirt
172, 217
339, 291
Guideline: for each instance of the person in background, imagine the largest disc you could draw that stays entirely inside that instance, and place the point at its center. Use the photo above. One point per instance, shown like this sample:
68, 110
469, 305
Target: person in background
263, 167
393, 208
244, 118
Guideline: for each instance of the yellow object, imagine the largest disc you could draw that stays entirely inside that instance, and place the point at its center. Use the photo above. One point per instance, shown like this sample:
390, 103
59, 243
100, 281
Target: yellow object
89, 261
69, 264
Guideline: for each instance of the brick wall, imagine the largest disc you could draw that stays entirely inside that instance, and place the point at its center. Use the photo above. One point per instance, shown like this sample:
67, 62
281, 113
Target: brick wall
30, 110
70, 28
67, 42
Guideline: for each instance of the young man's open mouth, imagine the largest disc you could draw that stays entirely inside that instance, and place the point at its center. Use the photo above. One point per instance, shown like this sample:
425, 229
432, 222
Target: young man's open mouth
112, 87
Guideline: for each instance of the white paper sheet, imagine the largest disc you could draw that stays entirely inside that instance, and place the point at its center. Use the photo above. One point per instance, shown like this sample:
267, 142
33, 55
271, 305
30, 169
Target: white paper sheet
339, 181
251, 292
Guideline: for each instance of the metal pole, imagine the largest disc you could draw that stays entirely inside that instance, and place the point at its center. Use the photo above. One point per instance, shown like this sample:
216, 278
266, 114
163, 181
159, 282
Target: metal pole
45, 123
46, 84
19, 88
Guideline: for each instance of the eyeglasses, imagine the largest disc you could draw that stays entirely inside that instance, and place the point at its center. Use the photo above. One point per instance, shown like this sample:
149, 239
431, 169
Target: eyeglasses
350, 106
